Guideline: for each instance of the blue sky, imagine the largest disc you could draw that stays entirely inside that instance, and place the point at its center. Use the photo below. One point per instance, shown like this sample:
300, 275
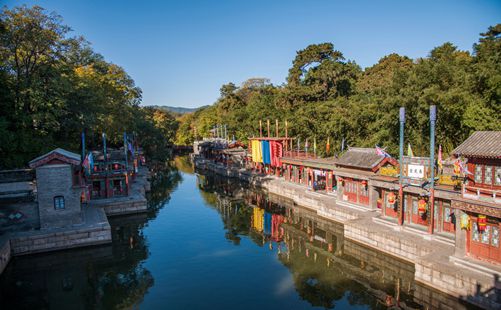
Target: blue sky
181, 52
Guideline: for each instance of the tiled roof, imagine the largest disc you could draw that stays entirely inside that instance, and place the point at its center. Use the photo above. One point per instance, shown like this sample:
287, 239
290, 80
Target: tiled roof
365, 158
321, 163
67, 156
481, 144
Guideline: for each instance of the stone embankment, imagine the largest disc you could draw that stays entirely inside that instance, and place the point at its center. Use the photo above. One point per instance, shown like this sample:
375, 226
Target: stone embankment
432, 256
94, 229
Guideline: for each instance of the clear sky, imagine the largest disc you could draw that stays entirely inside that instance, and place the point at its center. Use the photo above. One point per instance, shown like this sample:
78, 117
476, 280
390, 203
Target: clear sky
181, 52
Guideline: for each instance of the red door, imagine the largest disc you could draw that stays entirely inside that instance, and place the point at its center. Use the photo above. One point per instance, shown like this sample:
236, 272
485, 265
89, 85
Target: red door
416, 217
390, 209
363, 194
351, 190
485, 245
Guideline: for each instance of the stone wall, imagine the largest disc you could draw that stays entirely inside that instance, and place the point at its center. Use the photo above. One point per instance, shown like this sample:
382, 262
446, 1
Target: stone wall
125, 207
58, 240
52, 181
388, 242
18, 175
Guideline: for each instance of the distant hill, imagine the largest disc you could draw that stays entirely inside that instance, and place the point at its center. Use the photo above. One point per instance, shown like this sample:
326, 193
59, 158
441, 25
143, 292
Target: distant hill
177, 110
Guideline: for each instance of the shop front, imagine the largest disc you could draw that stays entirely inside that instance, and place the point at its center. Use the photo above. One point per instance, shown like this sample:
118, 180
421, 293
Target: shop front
354, 190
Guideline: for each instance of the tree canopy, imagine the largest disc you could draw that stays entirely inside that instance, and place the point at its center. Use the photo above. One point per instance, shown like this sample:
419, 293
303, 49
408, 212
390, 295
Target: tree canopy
327, 96
54, 86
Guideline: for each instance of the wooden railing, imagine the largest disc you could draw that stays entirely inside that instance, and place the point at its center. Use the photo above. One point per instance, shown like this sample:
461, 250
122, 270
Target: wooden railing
484, 194
299, 154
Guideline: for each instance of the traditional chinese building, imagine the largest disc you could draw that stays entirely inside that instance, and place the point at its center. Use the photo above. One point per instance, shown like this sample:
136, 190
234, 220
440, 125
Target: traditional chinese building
308, 170
59, 188
480, 199
354, 169
111, 174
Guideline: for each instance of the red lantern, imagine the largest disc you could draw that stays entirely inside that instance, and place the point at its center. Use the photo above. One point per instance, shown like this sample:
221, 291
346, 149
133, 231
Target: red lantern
95, 168
422, 206
482, 222
364, 183
392, 198
116, 166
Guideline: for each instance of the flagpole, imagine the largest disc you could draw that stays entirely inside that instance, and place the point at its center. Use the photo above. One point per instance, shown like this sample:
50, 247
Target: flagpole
400, 177
125, 151
287, 137
433, 118
83, 146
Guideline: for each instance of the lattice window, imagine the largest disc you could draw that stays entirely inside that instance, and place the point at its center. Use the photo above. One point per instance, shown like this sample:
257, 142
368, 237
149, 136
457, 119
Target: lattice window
495, 236
447, 215
486, 234
497, 177
59, 203
488, 175
478, 174
475, 235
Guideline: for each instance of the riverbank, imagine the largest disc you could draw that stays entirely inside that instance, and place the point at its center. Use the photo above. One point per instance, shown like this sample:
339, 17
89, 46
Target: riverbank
433, 256
90, 229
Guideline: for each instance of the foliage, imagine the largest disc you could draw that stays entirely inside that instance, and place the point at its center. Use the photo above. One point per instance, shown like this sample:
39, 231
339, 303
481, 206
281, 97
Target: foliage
328, 97
53, 87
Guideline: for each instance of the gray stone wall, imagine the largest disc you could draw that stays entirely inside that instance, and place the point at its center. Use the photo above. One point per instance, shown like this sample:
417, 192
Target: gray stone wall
58, 240
128, 207
52, 181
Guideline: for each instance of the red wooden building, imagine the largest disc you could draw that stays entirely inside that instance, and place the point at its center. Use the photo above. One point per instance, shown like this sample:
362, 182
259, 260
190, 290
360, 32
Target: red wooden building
480, 198
354, 169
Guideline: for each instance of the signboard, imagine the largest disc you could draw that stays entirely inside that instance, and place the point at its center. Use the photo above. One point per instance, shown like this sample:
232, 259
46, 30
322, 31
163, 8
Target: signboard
415, 171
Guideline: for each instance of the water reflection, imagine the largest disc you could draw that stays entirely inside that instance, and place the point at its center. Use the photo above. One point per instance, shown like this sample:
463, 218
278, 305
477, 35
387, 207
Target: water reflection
103, 277
273, 255
326, 268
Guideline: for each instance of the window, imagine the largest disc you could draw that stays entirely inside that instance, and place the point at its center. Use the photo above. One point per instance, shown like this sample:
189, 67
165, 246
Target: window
414, 206
486, 234
59, 203
497, 176
447, 215
478, 174
488, 175
474, 231
364, 190
495, 236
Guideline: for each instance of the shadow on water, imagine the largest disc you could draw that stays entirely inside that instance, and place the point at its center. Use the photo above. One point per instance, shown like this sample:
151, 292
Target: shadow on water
326, 268
101, 277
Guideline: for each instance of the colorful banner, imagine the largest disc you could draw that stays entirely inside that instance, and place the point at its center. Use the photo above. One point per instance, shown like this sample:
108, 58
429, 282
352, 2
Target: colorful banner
265, 147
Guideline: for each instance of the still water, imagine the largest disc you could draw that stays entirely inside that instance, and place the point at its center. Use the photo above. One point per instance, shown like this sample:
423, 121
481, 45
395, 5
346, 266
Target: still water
212, 243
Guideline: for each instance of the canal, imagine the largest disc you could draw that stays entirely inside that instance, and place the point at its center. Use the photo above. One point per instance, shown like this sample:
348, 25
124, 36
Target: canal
213, 243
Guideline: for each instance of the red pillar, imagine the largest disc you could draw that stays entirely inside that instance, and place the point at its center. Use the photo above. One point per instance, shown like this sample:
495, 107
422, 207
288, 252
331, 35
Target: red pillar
432, 211
401, 205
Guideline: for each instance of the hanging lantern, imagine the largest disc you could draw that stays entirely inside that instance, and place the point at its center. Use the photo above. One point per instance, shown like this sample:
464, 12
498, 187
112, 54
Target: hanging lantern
364, 183
392, 198
95, 168
116, 166
482, 222
465, 221
422, 206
